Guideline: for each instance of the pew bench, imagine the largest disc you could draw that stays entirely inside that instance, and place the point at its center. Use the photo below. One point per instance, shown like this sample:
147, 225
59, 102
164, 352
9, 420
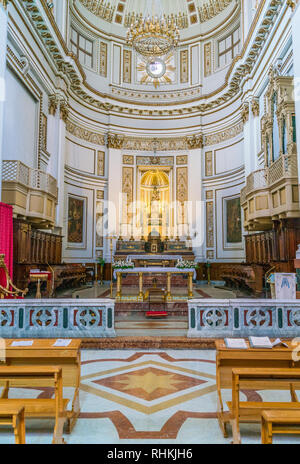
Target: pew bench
13, 415
279, 422
24, 376
43, 352
265, 379
228, 359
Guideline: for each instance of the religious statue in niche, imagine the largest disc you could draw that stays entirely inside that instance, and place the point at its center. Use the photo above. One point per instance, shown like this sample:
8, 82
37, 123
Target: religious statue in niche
75, 220
234, 220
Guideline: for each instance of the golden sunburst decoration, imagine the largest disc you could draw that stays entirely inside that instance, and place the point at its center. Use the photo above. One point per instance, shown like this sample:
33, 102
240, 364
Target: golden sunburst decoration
156, 70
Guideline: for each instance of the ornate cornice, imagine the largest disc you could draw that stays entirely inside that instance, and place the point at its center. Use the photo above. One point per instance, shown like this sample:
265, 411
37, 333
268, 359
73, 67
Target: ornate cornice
121, 142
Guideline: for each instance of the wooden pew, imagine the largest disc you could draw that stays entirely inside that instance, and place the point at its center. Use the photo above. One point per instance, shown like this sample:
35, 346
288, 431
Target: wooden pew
22, 376
281, 422
227, 359
14, 416
42, 352
262, 379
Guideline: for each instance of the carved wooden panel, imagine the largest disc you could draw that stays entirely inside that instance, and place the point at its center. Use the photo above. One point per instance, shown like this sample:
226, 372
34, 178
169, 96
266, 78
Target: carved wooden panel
127, 190
210, 224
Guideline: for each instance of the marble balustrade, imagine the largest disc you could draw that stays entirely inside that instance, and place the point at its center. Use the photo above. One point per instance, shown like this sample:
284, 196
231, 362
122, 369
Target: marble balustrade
243, 317
57, 318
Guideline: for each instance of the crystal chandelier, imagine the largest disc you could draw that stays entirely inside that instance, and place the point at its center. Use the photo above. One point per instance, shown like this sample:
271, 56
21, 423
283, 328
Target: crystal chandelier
153, 35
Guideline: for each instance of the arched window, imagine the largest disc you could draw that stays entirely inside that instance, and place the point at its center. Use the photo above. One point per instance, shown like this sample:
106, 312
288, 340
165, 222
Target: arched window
275, 133
284, 136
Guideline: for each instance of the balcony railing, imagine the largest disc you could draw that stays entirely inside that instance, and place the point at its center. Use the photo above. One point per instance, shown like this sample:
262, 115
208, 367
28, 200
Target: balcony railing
257, 180
286, 166
16, 171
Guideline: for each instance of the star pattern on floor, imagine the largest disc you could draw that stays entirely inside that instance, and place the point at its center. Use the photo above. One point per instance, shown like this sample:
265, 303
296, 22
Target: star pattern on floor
150, 383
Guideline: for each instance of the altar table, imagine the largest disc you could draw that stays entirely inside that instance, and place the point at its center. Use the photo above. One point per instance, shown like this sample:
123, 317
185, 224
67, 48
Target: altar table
154, 270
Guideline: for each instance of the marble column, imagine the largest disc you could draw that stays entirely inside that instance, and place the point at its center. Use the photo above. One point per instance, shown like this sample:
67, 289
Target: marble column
3, 43
57, 147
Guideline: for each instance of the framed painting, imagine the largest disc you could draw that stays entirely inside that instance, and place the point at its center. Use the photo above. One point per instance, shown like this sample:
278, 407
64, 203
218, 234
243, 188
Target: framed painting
76, 221
232, 215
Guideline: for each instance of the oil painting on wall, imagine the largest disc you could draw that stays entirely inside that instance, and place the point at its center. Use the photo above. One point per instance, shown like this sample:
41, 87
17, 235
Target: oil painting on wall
233, 221
76, 214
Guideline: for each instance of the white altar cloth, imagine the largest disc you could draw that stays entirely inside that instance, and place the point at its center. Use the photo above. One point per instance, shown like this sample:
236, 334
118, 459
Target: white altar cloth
155, 270
153, 257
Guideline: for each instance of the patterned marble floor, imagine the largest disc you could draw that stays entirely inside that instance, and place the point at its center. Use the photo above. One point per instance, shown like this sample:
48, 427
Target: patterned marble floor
152, 397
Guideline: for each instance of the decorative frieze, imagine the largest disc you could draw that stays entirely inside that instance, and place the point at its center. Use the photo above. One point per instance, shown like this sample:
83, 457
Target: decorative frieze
227, 134
84, 134
152, 160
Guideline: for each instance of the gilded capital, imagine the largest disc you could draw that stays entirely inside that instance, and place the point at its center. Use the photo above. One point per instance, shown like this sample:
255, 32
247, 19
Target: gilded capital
115, 141
195, 141
255, 107
245, 112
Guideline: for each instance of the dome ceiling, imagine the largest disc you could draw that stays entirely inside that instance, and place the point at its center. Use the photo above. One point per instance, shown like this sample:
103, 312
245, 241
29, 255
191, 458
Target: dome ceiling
186, 12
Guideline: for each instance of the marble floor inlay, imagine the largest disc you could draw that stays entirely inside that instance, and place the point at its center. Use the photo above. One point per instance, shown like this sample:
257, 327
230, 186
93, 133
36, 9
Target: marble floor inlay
145, 397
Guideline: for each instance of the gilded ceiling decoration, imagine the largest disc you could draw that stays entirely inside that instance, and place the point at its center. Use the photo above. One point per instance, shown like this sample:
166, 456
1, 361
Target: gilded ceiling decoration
185, 13
156, 71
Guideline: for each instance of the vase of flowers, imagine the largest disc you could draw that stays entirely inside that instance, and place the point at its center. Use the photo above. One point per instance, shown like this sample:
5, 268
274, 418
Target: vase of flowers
122, 264
185, 264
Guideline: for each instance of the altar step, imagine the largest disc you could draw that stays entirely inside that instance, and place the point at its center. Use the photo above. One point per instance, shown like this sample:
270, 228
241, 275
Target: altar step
130, 309
152, 328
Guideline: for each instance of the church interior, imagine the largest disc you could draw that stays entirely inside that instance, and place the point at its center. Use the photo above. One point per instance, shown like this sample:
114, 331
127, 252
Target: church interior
149, 222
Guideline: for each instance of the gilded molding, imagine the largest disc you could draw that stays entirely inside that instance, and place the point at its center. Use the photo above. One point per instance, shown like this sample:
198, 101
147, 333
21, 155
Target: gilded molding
115, 141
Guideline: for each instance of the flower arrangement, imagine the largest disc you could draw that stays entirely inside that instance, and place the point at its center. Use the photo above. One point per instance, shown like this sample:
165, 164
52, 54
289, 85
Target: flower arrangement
123, 264
184, 264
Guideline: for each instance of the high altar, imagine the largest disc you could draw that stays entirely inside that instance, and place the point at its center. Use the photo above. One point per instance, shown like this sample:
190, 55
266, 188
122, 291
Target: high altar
154, 257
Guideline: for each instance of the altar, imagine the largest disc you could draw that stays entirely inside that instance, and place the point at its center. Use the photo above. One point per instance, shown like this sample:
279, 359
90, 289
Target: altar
141, 271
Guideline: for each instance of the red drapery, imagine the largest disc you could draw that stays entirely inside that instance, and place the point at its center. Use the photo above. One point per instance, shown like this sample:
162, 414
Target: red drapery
6, 238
